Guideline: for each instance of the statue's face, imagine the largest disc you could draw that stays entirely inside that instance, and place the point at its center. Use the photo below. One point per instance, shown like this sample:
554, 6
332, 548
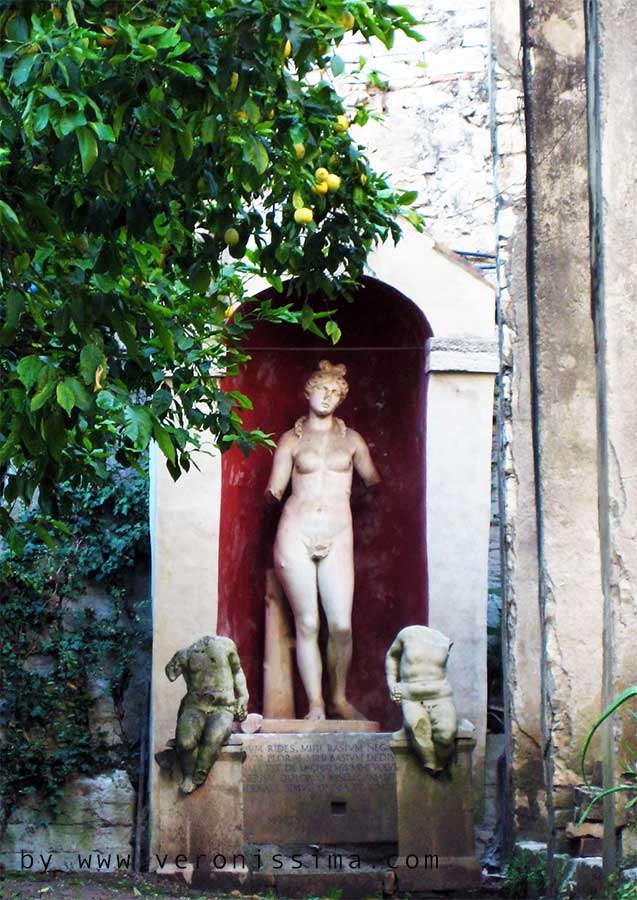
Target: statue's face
324, 397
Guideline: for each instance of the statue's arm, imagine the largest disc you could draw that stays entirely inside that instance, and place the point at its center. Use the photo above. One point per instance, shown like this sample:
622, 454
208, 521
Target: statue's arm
363, 463
281, 466
240, 683
175, 667
392, 669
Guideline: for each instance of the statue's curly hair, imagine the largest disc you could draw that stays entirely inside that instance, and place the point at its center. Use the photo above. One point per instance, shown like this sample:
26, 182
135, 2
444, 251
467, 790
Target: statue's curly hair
328, 371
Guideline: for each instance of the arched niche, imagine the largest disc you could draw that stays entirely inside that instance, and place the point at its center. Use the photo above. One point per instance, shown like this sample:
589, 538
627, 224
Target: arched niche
383, 345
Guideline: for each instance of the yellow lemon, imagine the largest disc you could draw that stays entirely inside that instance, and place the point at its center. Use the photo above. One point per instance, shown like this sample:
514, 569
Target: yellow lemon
231, 237
320, 188
234, 81
303, 216
363, 179
333, 182
341, 124
242, 115
299, 150
321, 174
57, 14
347, 20
287, 49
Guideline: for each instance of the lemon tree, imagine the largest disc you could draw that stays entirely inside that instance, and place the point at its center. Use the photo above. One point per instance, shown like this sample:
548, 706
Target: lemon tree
149, 157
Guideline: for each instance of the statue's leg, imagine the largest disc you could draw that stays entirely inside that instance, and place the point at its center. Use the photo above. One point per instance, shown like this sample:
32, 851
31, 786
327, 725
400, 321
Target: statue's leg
216, 732
418, 726
443, 725
336, 590
190, 725
297, 575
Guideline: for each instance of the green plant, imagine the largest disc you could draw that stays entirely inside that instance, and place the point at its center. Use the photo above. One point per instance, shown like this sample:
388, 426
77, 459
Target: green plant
616, 889
524, 875
132, 137
53, 645
629, 776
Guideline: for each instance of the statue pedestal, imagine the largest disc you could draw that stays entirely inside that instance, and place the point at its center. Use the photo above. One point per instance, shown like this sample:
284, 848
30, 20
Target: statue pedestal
435, 820
328, 789
198, 834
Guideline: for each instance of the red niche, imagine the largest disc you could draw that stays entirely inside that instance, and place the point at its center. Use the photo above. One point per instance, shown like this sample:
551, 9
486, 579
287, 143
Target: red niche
383, 347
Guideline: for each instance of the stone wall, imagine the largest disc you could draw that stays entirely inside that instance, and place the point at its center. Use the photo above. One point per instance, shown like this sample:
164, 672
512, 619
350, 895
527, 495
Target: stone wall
94, 822
434, 136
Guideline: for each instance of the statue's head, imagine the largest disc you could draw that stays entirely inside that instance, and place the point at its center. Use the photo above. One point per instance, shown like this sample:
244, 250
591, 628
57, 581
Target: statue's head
328, 376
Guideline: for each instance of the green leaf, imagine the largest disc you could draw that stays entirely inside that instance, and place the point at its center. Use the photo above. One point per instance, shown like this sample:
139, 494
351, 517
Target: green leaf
15, 305
208, 130
28, 369
41, 118
164, 155
91, 357
65, 396
337, 65
118, 118
255, 153
333, 331
252, 111
23, 68
53, 94
70, 13
163, 441
71, 122
42, 396
103, 131
8, 213
297, 200
185, 141
88, 148
81, 395
138, 426
185, 69
106, 400
407, 198
200, 280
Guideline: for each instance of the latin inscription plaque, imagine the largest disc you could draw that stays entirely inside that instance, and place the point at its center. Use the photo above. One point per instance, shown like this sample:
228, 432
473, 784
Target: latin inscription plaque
319, 788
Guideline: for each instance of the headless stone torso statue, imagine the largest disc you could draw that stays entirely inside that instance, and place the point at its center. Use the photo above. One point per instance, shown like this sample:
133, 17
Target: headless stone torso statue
217, 694
313, 549
415, 667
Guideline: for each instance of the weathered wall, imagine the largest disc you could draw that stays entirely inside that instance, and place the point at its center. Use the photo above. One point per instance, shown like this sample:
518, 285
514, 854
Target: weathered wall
521, 620
613, 138
563, 400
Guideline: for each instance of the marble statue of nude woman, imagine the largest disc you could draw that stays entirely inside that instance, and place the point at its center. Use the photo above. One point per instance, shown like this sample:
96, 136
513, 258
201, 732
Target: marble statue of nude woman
313, 549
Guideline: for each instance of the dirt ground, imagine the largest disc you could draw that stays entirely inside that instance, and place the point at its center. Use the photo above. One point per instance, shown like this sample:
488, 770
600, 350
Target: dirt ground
61, 886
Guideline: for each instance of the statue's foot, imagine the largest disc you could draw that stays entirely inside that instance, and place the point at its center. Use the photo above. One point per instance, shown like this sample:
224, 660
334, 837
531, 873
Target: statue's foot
343, 709
316, 713
187, 785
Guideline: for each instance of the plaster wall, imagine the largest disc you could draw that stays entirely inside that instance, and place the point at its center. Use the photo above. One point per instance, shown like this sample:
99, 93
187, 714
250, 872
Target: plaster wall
564, 398
185, 542
458, 531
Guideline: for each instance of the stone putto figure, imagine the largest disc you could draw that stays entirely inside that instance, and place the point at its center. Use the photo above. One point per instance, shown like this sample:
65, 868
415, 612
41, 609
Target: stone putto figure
313, 549
217, 694
415, 667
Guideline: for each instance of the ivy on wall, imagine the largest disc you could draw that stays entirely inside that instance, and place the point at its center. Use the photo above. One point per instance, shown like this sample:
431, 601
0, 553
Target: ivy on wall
54, 645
